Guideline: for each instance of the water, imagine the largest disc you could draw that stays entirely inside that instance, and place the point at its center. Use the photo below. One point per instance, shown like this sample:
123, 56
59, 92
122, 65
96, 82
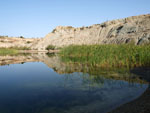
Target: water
47, 85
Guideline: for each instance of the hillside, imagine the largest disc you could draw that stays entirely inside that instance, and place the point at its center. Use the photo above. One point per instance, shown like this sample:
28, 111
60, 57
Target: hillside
7, 42
135, 29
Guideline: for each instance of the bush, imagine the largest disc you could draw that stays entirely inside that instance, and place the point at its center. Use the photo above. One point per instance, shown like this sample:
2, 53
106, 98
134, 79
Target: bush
50, 47
28, 42
21, 37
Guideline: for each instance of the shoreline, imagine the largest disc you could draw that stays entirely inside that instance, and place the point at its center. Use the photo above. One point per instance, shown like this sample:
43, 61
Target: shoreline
141, 104
39, 51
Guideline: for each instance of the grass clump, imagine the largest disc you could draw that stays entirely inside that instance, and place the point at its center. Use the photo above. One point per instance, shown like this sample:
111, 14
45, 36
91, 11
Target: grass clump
127, 55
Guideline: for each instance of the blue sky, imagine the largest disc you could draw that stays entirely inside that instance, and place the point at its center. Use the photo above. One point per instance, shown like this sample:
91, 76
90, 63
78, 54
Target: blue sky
36, 18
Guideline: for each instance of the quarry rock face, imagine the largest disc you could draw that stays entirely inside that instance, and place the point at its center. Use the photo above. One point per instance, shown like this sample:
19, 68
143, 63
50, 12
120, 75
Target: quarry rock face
134, 29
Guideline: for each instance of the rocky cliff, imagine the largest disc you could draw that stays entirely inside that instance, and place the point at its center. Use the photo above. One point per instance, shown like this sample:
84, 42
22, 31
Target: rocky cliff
134, 29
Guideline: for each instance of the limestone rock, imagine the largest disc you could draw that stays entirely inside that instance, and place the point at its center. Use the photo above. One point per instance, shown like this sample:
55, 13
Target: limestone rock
134, 29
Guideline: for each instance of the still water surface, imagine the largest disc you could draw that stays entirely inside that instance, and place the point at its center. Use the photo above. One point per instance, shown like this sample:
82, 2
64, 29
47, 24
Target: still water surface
34, 87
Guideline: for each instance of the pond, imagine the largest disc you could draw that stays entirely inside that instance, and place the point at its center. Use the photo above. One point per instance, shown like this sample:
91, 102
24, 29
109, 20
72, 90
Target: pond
41, 83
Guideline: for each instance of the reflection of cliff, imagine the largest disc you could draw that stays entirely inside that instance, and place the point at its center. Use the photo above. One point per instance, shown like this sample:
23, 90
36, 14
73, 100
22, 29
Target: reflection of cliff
54, 62
5, 60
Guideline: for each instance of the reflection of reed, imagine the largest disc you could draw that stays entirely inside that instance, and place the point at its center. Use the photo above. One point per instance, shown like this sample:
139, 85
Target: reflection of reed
108, 74
53, 61
90, 83
81, 81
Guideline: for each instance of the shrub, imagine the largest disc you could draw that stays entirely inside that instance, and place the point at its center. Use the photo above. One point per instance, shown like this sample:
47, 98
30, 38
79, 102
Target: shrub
50, 47
21, 37
28, 42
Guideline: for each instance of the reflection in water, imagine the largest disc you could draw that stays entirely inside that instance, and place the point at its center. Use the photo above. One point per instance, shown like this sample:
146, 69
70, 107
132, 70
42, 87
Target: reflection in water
61, 87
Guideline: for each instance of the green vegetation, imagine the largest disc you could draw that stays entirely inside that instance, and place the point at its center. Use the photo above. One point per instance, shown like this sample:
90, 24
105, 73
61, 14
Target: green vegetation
12, 50
28, 42
50, 47
50, 54
21, 37
8, 51
127, 55
20, 48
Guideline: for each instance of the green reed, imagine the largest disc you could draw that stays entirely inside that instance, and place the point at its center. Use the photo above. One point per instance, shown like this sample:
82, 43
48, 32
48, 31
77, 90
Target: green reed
127, 55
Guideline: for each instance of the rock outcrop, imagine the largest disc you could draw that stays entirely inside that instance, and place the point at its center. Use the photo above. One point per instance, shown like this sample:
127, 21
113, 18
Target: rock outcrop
134, 29
7, 42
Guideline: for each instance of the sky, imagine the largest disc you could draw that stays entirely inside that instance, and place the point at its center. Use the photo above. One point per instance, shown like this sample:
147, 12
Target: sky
36, 18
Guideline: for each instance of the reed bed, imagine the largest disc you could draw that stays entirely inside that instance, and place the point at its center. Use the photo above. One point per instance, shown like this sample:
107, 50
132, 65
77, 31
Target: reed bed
127, 55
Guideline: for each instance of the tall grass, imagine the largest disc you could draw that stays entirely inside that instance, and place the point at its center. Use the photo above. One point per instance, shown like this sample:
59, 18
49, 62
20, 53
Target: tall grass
12, 50
20, 48
8, 51
108, 55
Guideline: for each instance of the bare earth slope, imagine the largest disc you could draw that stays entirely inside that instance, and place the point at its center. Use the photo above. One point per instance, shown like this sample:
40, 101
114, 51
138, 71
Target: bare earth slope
132, 29
7, 42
